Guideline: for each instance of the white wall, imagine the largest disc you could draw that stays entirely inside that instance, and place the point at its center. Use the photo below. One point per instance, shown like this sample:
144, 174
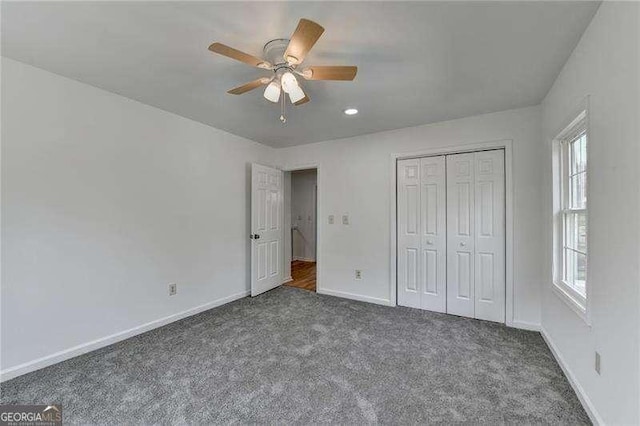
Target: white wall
303, 214
605, 66
354, 179
104, 202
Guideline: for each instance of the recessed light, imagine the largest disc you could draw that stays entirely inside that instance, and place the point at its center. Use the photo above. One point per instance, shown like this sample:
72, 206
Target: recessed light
351, 111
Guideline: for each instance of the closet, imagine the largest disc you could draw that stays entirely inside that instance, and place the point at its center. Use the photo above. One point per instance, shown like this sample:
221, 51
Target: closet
451, 234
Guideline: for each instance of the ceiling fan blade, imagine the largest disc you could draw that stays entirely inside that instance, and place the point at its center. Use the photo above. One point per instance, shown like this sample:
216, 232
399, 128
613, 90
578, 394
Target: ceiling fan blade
346, 73
302, 40
303, 100
249, 86
232, 53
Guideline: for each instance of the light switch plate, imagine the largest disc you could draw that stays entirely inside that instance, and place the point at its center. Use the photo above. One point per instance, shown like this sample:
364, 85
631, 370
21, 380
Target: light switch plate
331, 219
345, 219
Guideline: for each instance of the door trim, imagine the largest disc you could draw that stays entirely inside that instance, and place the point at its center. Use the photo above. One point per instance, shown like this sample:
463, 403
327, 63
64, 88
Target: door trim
319, 213
507, 145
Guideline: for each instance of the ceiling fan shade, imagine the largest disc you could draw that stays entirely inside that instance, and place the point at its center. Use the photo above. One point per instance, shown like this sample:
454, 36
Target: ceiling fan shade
272, 92
289, 82
236, 54
302, 40
297, 95
344, 73
249, 86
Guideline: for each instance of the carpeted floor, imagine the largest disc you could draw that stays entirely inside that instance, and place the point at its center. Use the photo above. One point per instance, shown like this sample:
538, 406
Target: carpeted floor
293, 356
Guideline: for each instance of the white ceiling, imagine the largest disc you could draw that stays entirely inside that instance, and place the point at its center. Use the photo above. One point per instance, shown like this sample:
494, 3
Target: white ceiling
418, 62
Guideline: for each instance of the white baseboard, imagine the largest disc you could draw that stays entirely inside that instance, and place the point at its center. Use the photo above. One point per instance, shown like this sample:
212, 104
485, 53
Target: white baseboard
304, 259
352, 296
524, 325
287, 280
582, 396
63, 355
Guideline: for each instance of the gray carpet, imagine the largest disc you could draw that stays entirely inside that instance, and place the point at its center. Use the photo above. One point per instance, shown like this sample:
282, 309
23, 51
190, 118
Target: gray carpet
292, 356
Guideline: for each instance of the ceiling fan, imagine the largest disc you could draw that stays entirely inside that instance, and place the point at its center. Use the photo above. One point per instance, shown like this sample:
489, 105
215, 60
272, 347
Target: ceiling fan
283, 57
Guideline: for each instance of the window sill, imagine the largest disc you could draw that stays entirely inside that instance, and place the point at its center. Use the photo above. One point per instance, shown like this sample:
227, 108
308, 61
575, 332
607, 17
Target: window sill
576, 305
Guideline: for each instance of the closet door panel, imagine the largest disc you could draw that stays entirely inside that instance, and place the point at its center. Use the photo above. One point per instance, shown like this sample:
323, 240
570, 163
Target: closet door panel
460, 234
490, 236
434, 234
409, 231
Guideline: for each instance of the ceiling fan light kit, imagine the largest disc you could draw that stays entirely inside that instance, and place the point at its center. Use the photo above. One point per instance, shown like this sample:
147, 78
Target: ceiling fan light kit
288, 82
272, 92
283, 56
296, 94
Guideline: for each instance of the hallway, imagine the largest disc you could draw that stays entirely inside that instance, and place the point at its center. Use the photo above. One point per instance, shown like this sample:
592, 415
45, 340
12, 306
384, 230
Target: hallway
303, 274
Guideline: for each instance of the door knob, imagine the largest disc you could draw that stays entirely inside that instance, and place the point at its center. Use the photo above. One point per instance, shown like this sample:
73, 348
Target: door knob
430, 242
463, 244
254, 236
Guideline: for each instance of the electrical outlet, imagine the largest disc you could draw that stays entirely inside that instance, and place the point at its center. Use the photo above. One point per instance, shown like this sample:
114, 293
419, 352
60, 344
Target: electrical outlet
332, 219
358, 274
345, 219
597, 363
173, 289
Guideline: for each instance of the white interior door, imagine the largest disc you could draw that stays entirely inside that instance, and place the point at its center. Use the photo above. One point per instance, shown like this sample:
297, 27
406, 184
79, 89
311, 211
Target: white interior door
408, 232
433, 231
266, 228
460, 234
489, 236
422, 233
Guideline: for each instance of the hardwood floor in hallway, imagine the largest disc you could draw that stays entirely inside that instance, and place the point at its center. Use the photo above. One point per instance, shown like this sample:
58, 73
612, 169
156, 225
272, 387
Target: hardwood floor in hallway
303, 274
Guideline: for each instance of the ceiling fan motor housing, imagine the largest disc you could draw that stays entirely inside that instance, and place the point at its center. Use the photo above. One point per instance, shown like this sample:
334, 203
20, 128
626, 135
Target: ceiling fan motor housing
274, 50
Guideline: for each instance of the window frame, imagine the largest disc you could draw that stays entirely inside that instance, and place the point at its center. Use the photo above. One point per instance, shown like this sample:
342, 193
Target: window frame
561, 153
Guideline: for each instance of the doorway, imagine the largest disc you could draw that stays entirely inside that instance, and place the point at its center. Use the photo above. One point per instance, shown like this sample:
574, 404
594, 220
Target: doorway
301, 213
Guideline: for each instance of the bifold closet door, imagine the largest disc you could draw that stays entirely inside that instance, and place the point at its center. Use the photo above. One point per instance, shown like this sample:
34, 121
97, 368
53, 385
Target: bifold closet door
490, 236
422, 233
460, 234
476, 235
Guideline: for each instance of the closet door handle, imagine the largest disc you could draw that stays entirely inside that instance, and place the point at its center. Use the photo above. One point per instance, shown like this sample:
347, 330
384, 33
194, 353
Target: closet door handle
463, 244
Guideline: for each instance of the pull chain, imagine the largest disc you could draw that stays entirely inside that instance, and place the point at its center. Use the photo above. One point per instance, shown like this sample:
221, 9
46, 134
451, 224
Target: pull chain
283, 119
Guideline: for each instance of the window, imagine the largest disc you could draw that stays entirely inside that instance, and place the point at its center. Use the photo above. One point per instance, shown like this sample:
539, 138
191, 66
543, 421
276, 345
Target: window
574, 213
571, 225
